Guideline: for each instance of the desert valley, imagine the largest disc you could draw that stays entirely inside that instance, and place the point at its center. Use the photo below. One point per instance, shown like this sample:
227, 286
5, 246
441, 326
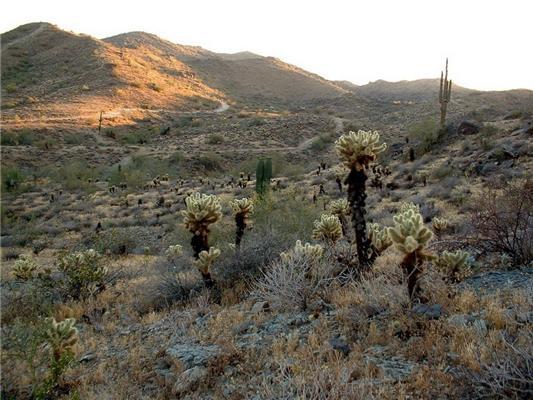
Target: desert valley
181, 223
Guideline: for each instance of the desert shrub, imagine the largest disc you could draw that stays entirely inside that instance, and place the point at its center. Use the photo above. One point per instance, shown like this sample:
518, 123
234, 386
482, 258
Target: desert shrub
256, 122
9, 139
23, 138
83, 273
138, 137
210, 161
506, 374
426, 134
258, 248
188, 122
74, 139
11, 87
322, 142
47, 143
113, 241
215, 138
293, 282
503, 219
12, 178
73, 175
43, 350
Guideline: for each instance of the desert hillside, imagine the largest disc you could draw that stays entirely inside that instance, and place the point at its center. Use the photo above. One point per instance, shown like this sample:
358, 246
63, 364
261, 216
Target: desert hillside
183, 224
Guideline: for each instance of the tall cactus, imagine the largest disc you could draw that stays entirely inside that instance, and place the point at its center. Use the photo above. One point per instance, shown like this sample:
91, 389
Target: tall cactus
357, 151
263, 174
445, 92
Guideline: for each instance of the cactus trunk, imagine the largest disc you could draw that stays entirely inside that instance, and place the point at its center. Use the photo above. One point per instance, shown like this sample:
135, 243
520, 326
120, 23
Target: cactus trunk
199, 243
445, 91
356, 182
412, 268
240, 222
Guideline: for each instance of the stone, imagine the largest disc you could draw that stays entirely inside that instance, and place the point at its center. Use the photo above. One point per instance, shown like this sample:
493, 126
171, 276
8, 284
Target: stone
189, 380
339, 343
191, 355
468, 128
430, 312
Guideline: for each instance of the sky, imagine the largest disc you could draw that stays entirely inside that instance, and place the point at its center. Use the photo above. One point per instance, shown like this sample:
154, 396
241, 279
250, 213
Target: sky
487, 42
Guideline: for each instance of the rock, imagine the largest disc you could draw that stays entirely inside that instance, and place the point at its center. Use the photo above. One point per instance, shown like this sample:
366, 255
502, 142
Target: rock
260, 306
339, 343
480, 326
87, 357
430, 312
191, 355
189, 380
459, 320
468, 128
525, 317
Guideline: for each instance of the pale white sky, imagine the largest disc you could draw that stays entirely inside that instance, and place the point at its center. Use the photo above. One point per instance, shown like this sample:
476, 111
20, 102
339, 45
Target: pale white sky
488, 42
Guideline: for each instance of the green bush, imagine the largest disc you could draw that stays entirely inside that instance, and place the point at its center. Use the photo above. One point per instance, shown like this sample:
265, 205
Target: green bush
12, 178
210, 161
426, 134
84, 274
141, 137
215, 138
9, 139
74, 175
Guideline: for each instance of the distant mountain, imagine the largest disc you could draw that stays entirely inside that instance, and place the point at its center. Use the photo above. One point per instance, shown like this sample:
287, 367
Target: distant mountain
48, 70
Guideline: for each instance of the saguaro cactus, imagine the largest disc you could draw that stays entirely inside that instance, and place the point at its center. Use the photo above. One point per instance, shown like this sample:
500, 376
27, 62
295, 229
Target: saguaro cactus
357, 151
263, 174
445, 92
202, 211
411, 237
242, 208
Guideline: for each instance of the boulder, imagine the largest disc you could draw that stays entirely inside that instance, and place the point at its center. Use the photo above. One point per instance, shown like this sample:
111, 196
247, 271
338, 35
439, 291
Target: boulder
191, 355
189, 380
430, 312
468, 128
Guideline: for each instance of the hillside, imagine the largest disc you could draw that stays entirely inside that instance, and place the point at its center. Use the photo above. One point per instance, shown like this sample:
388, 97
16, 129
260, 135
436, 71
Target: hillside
49, 73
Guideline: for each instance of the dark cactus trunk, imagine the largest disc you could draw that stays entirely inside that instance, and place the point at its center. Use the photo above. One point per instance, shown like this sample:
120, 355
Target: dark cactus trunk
240, 221
356, 182
199, 243
412, 268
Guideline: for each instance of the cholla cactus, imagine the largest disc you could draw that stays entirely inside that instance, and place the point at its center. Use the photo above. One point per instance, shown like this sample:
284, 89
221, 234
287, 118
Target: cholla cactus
341, 209
242, 208
379, 237
328, 228
174, 251
202, 211
454, 265
60, 336
82, 270
409, 233
439, 224
308, 252
405, 206
24, 268
357, 151
205, 261
411, 237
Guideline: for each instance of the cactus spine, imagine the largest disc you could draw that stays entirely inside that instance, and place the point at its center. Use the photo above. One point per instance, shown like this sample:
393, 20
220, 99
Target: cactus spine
357, 151
445, 92
263, 174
